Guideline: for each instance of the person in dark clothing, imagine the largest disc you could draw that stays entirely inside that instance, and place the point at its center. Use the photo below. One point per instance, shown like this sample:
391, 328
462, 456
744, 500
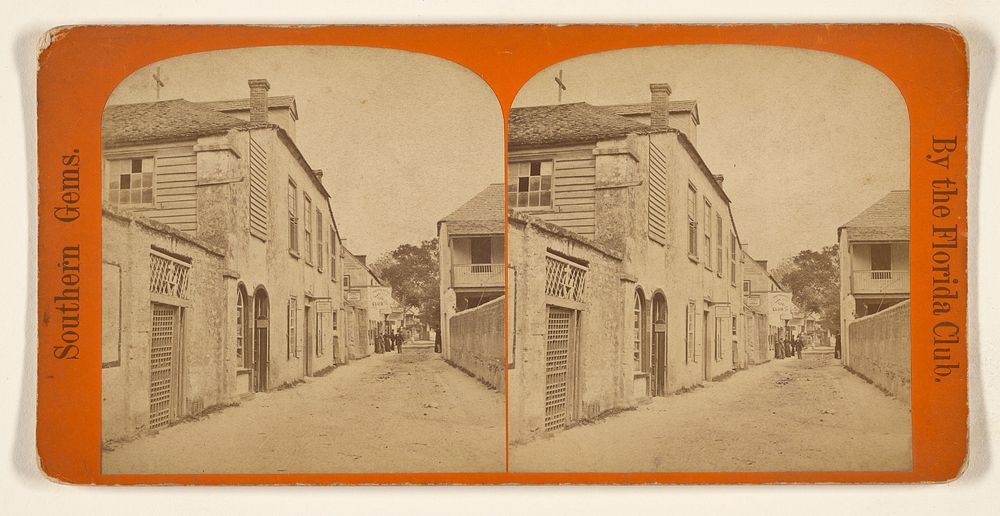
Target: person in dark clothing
836, 347
437, 340
399, 342
798, 347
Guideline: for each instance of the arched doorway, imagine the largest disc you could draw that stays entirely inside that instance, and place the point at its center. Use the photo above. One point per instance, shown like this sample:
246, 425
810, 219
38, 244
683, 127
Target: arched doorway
658, 349
261, 338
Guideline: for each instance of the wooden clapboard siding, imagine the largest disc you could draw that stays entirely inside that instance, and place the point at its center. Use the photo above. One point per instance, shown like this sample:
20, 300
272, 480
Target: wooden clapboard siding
574, 175
657, 203
175, 175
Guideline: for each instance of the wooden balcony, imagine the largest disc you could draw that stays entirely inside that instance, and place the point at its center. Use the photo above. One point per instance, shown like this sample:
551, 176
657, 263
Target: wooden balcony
880, 282
477, 275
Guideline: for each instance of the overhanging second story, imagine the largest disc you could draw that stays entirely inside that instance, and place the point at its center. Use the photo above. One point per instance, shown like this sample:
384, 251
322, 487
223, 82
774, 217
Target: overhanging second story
472, 243
875, 248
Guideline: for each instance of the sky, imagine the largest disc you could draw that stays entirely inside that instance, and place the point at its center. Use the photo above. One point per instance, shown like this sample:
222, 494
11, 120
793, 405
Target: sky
403, 139
806, 140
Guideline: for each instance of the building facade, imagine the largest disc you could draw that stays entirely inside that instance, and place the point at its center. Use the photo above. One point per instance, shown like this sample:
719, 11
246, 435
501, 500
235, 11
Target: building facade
874, 261
226, 175
764, 295
639, 189
370, 305
471, 257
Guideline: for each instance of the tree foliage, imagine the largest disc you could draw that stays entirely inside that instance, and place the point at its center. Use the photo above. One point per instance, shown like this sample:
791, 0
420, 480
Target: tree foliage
814, 279
413, 274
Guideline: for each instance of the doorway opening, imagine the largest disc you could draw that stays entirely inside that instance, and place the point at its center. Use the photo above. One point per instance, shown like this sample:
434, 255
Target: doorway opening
261, 340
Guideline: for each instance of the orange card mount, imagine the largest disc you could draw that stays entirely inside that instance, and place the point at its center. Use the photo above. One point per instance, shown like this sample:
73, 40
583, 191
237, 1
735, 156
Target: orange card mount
166, 304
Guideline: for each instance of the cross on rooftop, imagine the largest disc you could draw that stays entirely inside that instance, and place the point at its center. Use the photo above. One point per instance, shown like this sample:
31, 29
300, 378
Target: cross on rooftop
560, 86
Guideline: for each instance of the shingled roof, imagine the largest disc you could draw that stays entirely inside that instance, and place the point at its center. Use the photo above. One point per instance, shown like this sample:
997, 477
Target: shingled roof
277, 101
645, 108
168, 120
567, 124
887, 219
481, 215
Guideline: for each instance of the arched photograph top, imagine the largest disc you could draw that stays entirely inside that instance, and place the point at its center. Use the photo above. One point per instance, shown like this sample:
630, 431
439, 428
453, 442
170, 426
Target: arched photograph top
714, 242
275, 258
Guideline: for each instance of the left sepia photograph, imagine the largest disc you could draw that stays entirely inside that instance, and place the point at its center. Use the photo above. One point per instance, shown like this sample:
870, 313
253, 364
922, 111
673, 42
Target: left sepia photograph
303, 265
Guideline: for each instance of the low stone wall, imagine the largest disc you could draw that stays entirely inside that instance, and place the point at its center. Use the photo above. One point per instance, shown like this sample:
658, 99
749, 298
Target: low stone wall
880, 349
477, 342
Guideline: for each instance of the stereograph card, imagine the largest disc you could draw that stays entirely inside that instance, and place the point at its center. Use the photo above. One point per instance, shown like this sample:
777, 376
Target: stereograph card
523, 254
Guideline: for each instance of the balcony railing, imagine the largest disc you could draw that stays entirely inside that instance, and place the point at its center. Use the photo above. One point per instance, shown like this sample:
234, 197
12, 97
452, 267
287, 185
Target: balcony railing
880, 282
477, 275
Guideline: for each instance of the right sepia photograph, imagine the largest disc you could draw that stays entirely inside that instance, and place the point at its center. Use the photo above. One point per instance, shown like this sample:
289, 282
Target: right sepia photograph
708, 264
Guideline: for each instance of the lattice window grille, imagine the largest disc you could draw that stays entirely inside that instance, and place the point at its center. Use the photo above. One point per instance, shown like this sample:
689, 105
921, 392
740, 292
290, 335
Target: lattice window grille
168, 275
564, 279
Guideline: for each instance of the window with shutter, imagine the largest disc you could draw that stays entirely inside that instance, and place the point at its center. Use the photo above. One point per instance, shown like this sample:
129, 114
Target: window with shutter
293, 218
292, 341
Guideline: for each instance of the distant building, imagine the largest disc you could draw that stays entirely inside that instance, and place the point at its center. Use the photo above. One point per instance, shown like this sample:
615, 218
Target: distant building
764, 292
874, 260
625, 260
471, 257
765, 296
225, 249
370, 306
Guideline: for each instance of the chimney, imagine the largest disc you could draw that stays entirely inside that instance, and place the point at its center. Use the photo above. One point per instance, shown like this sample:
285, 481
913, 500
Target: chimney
659, 109
318, 173
363, 258
719, 178
258, 100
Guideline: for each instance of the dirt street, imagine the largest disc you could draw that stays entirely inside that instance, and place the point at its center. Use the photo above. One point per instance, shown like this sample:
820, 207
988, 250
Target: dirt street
786, 415
386, 413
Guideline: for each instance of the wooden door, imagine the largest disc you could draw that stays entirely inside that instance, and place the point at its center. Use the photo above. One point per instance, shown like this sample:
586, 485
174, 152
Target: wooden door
261, 338
164, 366
658, 355
560, 380
310, 341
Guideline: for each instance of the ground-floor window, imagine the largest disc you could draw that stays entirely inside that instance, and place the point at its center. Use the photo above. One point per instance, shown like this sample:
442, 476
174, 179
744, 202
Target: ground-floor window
292, 343
637, 333
689, 342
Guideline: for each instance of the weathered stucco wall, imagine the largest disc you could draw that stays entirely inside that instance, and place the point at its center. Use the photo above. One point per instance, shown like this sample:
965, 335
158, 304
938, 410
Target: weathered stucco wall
880, 349
477, 344
206, 369
602, 359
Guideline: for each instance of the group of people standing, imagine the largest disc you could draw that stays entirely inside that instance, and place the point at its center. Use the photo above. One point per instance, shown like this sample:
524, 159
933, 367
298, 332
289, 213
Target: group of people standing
789, 346
389, 341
